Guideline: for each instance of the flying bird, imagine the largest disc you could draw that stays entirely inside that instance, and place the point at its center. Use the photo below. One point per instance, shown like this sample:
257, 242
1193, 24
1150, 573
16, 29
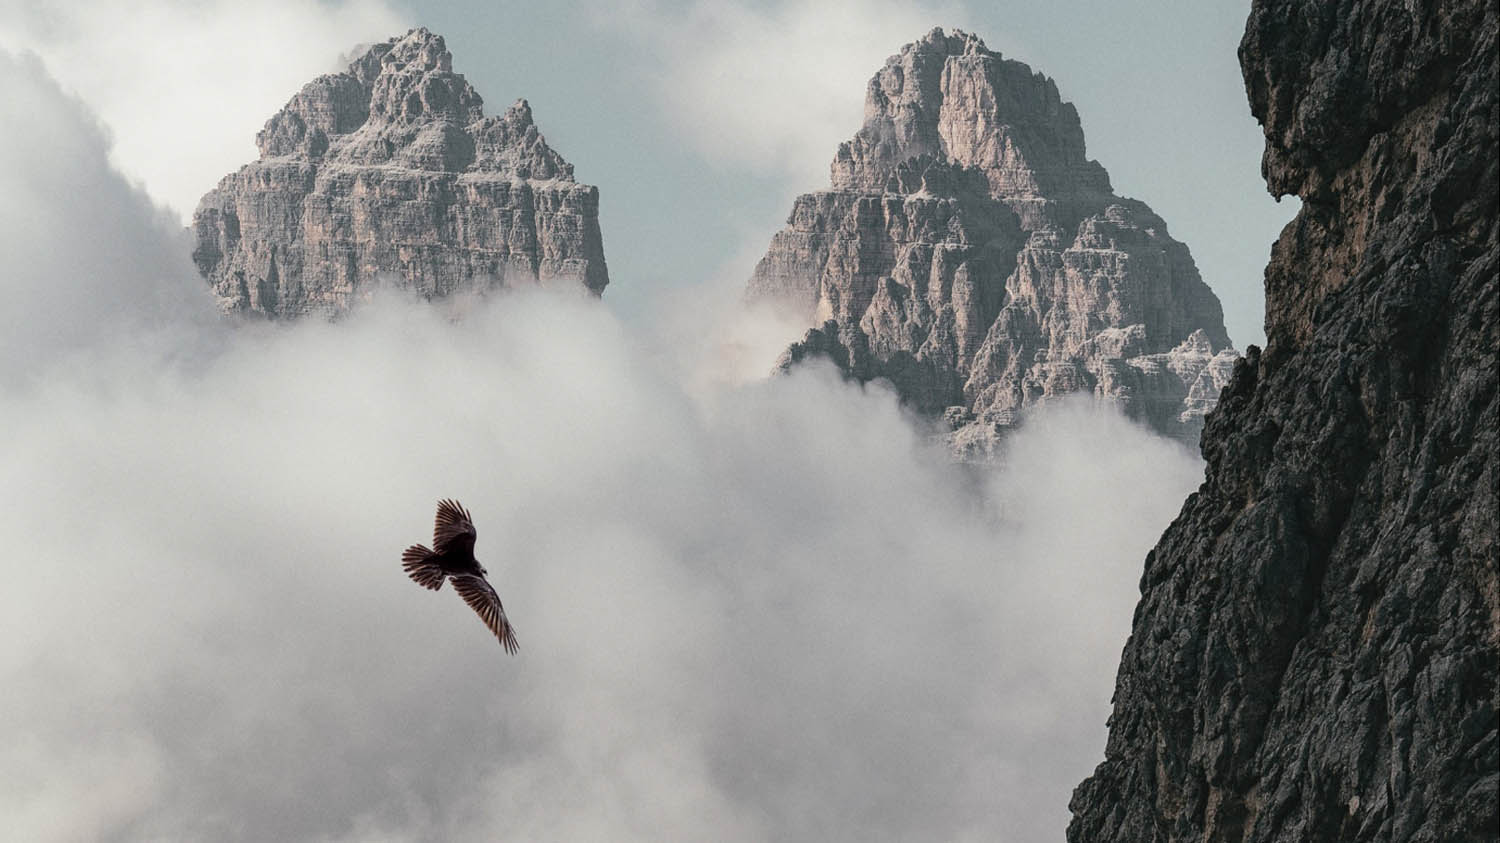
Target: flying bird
452, 557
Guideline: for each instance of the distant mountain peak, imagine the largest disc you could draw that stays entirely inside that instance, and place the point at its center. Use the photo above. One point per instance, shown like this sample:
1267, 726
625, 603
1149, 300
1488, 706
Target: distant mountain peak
970, 252
391, 170
950, 97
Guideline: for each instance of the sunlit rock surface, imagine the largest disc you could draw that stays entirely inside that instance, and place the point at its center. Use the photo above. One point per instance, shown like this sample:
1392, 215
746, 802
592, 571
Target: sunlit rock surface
970, 252
389, 173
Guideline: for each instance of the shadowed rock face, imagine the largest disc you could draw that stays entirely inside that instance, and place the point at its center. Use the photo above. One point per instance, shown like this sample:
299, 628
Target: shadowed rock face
1317, 648
972, 254
390, 173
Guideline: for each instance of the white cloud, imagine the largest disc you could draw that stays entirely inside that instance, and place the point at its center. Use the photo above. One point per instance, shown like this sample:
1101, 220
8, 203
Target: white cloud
184, 85
88, 259
746, 612
770, 613
776, 87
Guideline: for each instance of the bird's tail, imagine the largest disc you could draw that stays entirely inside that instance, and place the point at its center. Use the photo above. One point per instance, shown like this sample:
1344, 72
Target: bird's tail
417, 560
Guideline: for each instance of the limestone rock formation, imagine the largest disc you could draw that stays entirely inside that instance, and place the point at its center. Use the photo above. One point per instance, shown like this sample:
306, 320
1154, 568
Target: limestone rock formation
971, 253
1316, 653
391, 173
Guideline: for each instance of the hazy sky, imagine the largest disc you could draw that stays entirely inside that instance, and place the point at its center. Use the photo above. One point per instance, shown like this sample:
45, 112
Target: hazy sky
699, 121
748, 609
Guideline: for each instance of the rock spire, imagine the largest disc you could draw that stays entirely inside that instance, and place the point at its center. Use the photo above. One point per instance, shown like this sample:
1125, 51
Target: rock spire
970, 252
389, 173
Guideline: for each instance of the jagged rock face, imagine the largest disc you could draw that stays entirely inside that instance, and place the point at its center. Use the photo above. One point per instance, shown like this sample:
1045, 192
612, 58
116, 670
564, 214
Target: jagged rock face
972, 254
1316, 653
390, 173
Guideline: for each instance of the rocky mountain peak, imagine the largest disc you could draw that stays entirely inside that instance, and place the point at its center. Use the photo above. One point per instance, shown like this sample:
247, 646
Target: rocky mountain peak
511, 144
391, 170
404, 83
970, 252
950, 97
519, 114
416, 84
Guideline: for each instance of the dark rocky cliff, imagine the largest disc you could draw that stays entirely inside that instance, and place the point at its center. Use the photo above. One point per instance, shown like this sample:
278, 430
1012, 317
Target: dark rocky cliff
391, 173
1316, 651
971, 253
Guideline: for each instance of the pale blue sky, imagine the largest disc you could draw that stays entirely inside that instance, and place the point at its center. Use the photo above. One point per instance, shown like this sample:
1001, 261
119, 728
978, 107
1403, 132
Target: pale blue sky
1157, 86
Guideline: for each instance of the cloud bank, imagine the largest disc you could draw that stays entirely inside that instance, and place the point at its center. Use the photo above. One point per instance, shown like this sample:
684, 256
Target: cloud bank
746, 611
88, 259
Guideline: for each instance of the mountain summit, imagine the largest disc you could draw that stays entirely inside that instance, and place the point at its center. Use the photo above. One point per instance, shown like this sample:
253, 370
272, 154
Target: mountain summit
970, 252
390, 172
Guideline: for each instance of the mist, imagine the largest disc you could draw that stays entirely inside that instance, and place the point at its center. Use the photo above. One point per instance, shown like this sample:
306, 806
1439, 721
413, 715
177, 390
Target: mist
748, 608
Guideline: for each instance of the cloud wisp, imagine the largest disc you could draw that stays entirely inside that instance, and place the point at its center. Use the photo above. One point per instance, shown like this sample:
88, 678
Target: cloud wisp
89, 259
754, 611
184, 85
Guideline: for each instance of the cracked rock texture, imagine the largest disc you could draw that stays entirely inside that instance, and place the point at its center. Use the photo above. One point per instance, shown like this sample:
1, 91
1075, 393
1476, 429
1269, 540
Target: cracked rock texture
970, 252
1316, 652
390, 173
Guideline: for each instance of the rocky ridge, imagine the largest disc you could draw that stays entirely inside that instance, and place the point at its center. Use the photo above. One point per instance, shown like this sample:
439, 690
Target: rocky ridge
970, 252
391, 173
1316, 653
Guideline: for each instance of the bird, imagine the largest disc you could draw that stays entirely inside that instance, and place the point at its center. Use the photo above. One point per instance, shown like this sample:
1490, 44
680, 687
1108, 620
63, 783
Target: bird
452, 557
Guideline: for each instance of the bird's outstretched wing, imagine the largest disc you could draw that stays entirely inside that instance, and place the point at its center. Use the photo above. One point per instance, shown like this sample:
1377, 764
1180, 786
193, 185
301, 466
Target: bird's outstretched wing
481, 597
453, 530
